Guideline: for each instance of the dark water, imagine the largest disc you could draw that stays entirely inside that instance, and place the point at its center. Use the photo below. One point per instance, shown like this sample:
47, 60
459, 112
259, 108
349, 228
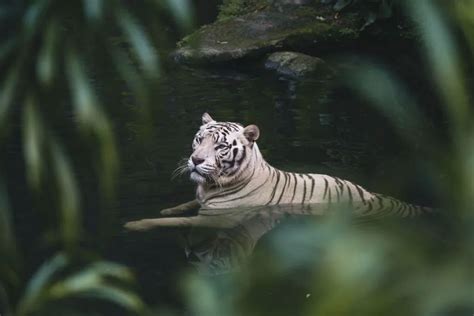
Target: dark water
313, 125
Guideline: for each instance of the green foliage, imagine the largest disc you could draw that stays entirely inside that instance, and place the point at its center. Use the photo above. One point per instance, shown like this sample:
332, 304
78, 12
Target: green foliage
102, 280
334, 268
450, 77
49, 58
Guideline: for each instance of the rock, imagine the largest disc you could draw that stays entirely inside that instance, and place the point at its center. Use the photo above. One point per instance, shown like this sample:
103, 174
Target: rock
294, 64
258, 33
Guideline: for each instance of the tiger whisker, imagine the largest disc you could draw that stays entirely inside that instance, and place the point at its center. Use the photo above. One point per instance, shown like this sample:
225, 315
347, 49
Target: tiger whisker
181, 169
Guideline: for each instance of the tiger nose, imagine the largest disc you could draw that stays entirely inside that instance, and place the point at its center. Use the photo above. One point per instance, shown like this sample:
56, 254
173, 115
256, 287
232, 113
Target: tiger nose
197, 161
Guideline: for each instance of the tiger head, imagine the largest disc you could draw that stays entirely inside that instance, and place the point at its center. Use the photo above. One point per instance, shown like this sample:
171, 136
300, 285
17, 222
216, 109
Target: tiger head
221, 151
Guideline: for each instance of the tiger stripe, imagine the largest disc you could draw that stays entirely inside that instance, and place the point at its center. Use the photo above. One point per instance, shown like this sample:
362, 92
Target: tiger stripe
304, 189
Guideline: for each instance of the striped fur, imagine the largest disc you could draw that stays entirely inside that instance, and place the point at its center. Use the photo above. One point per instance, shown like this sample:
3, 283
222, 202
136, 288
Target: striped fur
230, 172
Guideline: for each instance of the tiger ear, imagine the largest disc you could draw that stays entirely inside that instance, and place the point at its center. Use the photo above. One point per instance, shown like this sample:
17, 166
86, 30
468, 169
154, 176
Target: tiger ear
206, 118
251, 132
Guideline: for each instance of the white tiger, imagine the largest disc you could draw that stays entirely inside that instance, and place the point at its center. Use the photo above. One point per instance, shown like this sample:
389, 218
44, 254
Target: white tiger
230, 172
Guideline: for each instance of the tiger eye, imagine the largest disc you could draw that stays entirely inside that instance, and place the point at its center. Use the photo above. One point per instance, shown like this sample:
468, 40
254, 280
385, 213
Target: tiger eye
220, 146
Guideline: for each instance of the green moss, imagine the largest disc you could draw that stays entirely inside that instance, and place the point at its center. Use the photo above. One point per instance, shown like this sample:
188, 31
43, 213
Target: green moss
257, 33
233, 8
230, 8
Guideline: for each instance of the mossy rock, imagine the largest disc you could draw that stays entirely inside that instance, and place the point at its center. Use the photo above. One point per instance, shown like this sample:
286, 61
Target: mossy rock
293, 64
258, 33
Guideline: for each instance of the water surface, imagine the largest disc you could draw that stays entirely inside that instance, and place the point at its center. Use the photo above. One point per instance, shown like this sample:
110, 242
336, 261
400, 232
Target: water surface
313, 125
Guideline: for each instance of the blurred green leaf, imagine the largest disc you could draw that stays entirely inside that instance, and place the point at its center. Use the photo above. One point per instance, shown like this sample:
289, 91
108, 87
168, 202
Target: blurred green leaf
370, 19
37, 60
111, 269
102, 280
92, 119
341, 4
40, 280
464, 12
90, 287
33, 140
109, 160
205, 295
68, 195
47, 57
141, 45
130, 75
7, 94
94, 9
444, 60
92, 282
450, 288
181, 10
85, 103
33, 17
390, 97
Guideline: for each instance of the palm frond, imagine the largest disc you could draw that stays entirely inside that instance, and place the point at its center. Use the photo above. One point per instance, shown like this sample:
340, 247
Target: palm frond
444, 59
100, 280
68, 196
141, 45
33, 140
